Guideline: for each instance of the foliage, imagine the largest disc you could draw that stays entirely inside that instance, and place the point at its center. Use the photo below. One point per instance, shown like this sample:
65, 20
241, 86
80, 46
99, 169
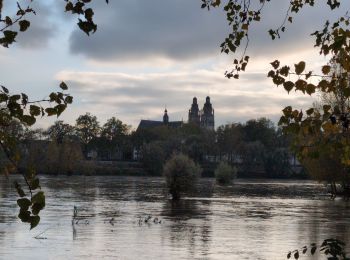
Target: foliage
153, 157
20, 107
332, 248
17, 112
59, 131
181, 175
241, 15
114, 129
224, 173
11, 26
87, 127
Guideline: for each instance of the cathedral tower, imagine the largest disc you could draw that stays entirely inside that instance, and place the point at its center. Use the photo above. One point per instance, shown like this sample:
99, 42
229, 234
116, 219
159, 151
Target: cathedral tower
193, 113
207, 116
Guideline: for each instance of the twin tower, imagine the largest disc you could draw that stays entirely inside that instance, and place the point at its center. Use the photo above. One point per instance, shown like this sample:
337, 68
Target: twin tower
203, 118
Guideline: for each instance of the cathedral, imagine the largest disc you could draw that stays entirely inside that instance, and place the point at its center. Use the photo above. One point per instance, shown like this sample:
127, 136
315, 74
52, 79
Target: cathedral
203, 118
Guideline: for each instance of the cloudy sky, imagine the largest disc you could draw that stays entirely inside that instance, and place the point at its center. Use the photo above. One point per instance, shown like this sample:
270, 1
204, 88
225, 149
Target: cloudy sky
150, 54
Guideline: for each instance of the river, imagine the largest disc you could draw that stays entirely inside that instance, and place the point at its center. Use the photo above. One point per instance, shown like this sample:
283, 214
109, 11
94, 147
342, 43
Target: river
252, 219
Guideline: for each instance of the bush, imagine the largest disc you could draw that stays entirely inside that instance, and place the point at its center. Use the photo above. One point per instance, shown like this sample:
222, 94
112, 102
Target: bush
224, 173
181, 175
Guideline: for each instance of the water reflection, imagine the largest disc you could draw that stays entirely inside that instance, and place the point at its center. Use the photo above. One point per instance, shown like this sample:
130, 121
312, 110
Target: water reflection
232, 222
184, 231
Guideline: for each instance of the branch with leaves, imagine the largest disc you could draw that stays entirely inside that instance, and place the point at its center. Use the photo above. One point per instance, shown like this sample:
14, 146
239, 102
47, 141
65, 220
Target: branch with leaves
241, 16
19, 107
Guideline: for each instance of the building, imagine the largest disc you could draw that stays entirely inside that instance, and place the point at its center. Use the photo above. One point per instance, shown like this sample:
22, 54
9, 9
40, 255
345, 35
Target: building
146, 124
205, 117
202, 118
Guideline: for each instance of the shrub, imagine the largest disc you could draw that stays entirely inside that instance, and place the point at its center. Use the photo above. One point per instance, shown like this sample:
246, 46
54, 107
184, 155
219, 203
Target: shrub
224, 173
181, 175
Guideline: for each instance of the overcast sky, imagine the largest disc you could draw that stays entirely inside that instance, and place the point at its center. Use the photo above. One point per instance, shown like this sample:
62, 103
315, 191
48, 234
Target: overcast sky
150, 54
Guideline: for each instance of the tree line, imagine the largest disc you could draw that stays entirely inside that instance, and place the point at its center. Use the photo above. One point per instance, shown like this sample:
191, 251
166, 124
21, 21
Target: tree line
257, 148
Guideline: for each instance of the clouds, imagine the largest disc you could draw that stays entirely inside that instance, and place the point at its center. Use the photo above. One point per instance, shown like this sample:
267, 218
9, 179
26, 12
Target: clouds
42, 27
178, 30
132, 97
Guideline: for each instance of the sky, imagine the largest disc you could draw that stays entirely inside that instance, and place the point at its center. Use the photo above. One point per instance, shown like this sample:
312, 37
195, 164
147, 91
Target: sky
148, 55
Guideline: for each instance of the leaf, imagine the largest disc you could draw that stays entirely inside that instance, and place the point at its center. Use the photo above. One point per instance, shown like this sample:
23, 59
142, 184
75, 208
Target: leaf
63, 86
34, 110
245, 27
310, 111
301, 85
60, 108
5, 89
19, 189
39, 198
288, 86
35, 184
287, 111
299, 68
36, 208
313, 250
310, 89
24, 203
29, 120
278, 80
50, 111
24, 215
23, 25
34, 221
326, 69
3, 97
68, 100
275, 64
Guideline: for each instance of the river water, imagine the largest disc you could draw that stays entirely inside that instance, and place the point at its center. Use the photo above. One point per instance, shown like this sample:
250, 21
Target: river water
252, 219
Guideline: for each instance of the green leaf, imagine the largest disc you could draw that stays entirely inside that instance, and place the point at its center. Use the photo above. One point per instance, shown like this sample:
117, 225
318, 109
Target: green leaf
34, 110
34, 221
36, 208
50, 111
60, 108
19, 189
63, 86
35, 184
29, 120
39, 198
24, 215
24, 204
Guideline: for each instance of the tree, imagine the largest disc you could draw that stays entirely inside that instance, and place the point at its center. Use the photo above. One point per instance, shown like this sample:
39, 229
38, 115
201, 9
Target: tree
59, 131
113, 129
224, 173
181, 175
20, 107
328, 126
87, 127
